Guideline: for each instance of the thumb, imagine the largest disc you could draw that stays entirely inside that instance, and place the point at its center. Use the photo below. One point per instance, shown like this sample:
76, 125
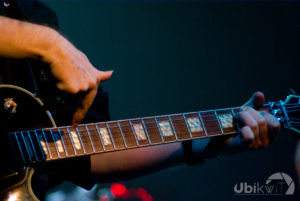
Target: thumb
256, 101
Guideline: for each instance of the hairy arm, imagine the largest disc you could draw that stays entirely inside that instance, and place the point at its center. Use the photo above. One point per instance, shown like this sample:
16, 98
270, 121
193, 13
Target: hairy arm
20, 39
71, 67
258, 129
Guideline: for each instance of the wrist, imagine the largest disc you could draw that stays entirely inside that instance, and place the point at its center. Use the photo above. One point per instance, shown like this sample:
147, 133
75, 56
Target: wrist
50, 46
195, 151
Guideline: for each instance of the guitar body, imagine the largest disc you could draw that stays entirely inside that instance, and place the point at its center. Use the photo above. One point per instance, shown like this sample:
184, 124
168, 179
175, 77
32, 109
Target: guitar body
19, 110
17, 186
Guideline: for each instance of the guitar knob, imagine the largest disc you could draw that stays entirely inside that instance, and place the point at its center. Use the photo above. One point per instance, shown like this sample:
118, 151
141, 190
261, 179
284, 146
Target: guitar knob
10, 105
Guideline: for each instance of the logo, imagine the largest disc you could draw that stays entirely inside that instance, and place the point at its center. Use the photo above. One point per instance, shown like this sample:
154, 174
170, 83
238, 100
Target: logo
277, 184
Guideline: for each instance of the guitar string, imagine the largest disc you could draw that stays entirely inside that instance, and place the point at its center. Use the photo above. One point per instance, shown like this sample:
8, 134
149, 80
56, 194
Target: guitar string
70, 145
115, 138
156, 127
179, 119
177, 123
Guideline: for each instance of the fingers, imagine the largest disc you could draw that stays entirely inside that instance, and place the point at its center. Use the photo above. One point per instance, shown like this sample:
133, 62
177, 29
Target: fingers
273, 125
258, 125
105, 75
88, 99
84, 106
256, 101
250, 129
259, 128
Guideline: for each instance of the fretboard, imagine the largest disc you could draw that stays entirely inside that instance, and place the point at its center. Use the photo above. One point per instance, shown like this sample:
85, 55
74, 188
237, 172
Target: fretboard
64, 142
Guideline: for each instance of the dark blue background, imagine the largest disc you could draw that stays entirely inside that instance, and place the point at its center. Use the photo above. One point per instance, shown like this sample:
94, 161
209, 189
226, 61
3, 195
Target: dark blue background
187, 56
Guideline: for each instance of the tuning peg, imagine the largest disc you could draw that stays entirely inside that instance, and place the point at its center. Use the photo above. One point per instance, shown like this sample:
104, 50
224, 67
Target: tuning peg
292, 92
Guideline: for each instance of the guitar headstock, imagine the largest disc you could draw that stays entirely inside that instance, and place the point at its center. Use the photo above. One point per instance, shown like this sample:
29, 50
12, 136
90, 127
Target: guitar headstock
288, 112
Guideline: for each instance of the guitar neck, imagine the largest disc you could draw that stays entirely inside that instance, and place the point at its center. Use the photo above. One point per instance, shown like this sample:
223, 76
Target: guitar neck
87, 139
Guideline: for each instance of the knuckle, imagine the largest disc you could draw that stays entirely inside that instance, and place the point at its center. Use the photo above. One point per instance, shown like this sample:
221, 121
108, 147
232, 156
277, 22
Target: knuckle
84, 88
245, 108
92, 83
277, 126
261, 122
253, 126
73, 90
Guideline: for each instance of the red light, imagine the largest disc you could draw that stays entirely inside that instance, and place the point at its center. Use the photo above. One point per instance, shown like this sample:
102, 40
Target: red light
143, 195
140, 192
117, 190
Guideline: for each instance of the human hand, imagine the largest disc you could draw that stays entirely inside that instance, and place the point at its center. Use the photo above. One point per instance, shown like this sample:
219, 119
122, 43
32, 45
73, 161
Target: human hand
258, 127
74, 73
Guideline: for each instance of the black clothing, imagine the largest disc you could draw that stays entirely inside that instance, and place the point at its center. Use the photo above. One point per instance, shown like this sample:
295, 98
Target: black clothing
33, 76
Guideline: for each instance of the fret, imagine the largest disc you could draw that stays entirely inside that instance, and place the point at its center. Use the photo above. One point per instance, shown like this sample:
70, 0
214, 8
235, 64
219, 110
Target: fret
55, 145
140, 132
58, 141
180, 126
35, 145
106, 137
134, 133
211, 123
50, 143
122, 135
67, 141
40, 146
43, 144
40, 154
147, 134
20, 148
85, 139
71, 139
195, 125
116, 135
128, 132
165, 128
28, 151
202, 123
163, 140
63, 142
101, 140
112, 140
88, 132
80, 140
220, 125
32, 146
76, 141
190, 132
96, 140
173, 127
153, 130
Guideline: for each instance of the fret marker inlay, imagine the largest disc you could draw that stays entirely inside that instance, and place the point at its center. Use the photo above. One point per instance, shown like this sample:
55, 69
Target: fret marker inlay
194, 124
226, 120
165, 128
44, 146
59, 146
105, 136
139, 131
75, 140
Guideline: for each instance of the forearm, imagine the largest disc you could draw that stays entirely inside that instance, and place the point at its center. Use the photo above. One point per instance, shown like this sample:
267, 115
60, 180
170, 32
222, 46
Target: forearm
137, 162
19, 39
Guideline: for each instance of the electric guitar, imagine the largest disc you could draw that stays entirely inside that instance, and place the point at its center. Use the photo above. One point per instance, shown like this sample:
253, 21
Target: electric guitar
29, 137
